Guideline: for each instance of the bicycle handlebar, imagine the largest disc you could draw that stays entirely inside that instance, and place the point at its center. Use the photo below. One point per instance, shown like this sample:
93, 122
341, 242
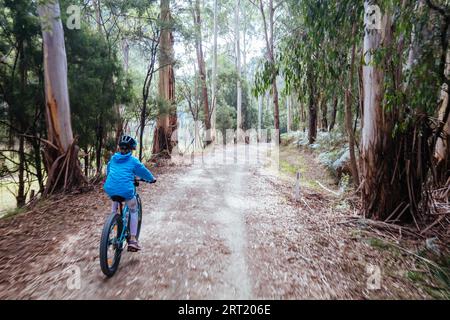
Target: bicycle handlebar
136, 181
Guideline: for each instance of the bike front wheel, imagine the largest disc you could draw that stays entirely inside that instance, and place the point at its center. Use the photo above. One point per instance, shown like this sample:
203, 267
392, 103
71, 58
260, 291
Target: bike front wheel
110, 246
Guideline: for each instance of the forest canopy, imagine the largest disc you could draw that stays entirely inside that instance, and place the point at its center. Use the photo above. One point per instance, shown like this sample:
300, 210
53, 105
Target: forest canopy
76, 75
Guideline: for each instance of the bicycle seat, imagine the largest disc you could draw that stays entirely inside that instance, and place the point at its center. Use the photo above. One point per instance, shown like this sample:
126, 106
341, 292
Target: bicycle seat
118, 199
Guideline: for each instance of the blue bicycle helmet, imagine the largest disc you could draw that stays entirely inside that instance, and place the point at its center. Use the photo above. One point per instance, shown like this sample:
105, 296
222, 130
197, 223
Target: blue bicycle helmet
127, 141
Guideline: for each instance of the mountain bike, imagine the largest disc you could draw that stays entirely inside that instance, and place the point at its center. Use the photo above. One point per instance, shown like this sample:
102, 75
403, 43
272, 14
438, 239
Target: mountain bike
116, 233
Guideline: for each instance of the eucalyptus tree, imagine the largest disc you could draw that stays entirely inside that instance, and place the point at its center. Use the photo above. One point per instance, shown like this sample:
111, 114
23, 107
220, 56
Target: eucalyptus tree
237, 33
197, 17
167, 120
61, 155
268, 19
214, 71
398, 104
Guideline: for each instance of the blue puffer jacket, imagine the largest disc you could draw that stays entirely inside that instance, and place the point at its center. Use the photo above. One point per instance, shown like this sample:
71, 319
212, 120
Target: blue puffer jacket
121, 172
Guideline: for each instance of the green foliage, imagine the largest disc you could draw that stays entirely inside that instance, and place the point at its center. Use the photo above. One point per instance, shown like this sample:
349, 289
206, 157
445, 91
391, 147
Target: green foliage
95, 78
225, 119
96, 84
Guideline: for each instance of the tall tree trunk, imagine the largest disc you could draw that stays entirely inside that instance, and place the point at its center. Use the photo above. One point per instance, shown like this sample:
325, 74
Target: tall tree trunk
349, 116
371, 133
120, 108
238, 63
99, 145
442, 152
145, 94
166, 123
62, 153
333, 114
276, 112
289, 112
303, 115
36, 144
312, 106
142, 128
201, 67
214, 73
382, 190
324, 113
260, 113
86, 162
98, 15
21, 197
312, 130
269, 36
268, 107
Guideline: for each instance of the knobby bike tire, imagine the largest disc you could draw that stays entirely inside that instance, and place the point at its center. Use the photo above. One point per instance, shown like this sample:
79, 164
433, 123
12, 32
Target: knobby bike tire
107, 228
139, 215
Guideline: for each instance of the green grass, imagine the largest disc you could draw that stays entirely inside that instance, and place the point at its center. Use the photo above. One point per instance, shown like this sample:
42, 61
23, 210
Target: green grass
7, 199
289, 168
415, 276
441, 276
436, 282
440, 287
11, 213
379, 244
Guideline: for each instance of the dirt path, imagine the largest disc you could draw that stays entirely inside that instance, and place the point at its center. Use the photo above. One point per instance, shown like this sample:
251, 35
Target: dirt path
211, 230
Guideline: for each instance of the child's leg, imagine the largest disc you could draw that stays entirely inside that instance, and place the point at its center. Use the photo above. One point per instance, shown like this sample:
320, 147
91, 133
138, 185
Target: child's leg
114, 207
132, 206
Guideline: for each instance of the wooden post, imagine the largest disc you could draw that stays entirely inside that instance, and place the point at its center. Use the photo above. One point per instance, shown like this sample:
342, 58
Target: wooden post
297, 187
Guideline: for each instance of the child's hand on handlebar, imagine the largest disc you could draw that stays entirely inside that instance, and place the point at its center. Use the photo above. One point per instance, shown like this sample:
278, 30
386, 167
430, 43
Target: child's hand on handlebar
154, 181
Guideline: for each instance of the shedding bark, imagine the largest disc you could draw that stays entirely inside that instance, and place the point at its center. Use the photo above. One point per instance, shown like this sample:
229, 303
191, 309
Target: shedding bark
442, 151
391, 181
62, 155
374, 193
167, 122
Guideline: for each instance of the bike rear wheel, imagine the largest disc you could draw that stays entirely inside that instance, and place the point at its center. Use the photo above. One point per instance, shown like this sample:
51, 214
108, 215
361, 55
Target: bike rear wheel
110, 248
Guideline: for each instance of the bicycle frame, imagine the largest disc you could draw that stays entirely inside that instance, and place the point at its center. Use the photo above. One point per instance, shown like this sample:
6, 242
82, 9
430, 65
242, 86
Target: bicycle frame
108, 263
124, 214
124, 217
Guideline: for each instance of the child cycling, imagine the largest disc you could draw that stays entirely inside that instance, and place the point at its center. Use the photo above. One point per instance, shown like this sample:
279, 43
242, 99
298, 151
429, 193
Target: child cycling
120, 174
